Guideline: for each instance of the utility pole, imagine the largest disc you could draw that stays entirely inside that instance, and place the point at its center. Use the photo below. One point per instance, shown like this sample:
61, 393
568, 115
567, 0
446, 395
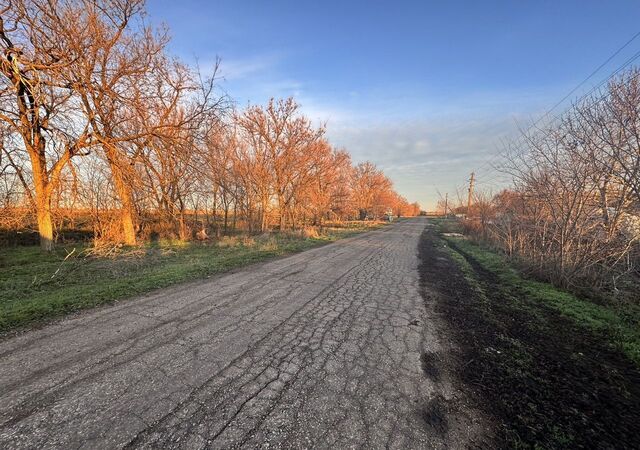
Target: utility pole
446, 203
471, 181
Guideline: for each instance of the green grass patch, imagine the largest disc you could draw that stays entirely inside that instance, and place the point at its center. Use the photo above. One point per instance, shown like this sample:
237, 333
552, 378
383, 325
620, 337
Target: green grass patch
35, 286
619, 323
446, 224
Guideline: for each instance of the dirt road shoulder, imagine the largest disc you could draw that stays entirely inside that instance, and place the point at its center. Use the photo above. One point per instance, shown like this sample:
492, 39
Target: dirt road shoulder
544, 380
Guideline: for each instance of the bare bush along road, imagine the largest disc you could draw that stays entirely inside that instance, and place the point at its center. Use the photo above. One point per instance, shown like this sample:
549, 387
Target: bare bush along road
322, 348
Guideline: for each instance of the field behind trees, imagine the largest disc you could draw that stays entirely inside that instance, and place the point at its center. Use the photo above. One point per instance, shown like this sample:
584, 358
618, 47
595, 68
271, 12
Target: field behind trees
107, 137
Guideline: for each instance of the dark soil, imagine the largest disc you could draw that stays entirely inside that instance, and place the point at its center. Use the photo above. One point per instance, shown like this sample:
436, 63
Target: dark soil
545, 382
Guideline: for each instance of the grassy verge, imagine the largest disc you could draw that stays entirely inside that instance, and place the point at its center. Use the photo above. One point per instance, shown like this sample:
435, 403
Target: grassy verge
553, 370
618, 324
36, 286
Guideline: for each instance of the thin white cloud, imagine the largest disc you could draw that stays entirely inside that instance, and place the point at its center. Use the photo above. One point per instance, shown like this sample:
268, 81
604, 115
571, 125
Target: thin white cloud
242, 69
324, 113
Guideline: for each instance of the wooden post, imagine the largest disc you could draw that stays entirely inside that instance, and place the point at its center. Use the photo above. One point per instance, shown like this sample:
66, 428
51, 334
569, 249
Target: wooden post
446, 203
471, 181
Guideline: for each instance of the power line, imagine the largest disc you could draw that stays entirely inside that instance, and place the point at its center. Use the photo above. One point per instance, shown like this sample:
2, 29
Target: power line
583, 97
626, 44
486, 165
487, 171
494, 179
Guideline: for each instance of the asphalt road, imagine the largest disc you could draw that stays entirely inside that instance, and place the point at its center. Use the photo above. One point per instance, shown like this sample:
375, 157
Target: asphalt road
320, 349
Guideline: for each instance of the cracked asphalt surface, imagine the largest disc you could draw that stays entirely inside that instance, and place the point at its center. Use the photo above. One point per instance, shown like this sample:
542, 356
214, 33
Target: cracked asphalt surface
320, 349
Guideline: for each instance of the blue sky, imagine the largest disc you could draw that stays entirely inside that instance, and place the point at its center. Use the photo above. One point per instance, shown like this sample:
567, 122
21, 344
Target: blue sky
424, 89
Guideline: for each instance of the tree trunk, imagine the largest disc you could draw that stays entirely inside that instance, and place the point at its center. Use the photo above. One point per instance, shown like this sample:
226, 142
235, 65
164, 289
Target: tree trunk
216, 225
127, 215
235, 215
42, 201
226, 218
263, 214
125, 195
282, 224
263, 220
45, 226
184, 230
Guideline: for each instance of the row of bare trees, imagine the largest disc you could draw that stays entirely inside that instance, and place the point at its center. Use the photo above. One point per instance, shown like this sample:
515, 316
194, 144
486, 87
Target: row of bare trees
573, 214
100, 125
